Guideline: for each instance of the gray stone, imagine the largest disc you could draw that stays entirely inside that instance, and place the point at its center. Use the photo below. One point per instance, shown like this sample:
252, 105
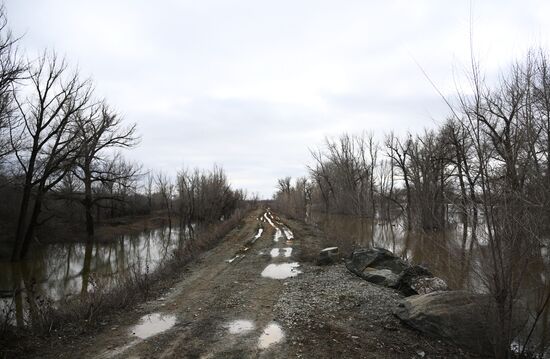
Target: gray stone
425, 285
417, 279
380, 266
378, 258
380, 276
463, 318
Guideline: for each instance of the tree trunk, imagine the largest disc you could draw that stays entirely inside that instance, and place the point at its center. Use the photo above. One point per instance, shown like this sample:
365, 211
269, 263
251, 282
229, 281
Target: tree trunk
88, 201
21, 223
31, 226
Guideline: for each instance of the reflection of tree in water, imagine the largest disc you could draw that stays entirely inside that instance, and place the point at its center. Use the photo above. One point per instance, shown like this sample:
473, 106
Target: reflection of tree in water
440, 251
56, 271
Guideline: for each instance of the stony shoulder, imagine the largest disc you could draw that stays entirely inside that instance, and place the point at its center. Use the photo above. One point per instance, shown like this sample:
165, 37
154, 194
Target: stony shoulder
330, 312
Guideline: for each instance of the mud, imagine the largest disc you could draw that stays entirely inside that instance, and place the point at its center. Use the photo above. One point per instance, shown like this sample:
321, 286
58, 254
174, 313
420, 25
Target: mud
221, 309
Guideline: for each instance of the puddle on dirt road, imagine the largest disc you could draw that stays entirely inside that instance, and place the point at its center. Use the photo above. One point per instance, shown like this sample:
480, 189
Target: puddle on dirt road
266, 216
153, 324
286, 252
278, 235
240, 326
281, 271
272, 334
288, 233
237, 257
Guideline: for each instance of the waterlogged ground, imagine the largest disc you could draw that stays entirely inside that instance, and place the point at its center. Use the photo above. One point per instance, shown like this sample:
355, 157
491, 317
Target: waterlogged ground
64, 270
252, 297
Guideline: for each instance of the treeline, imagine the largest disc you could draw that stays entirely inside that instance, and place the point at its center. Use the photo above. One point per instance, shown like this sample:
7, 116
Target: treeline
488, 163
60, 159
198, 196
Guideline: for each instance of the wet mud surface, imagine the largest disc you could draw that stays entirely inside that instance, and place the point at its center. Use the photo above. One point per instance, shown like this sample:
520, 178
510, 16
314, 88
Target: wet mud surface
252, 297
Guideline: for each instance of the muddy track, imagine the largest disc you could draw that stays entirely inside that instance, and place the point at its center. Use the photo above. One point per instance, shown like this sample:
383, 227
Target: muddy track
193, 320
250, 298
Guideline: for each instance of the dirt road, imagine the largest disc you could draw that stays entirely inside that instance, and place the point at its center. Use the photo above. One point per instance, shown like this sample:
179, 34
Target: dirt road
250, 297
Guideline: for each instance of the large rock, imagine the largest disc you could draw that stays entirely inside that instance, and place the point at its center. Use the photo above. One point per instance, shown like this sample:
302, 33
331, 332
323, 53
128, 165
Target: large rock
378, 258
383, 277
380, 266
425, 285
461, 317
417, 279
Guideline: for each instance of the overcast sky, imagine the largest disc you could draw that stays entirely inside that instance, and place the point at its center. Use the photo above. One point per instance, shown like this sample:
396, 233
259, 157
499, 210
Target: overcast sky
251, 85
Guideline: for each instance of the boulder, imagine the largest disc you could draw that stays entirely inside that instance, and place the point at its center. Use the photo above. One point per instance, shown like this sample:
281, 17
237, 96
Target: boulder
328, 256
380, 266
378, 258
461, 317
425, 285
383, 277
417, 279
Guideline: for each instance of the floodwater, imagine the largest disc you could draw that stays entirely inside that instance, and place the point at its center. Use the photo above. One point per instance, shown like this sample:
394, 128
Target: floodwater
272, 334
445, 253
153, 324
281, 270
57, 271
449, 254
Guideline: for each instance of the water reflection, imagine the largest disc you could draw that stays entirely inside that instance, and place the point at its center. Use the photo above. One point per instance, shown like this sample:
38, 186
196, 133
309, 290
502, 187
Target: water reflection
444, 253
56, 271
153, 324
451, 255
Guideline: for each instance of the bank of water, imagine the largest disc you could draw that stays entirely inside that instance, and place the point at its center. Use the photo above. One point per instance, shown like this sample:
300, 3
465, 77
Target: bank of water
56, 271
450, 254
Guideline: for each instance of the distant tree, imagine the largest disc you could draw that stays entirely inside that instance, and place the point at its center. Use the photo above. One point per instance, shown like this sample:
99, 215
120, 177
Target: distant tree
166, 188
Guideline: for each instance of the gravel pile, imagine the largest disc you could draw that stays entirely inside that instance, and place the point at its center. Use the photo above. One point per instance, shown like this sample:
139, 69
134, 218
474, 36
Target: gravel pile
328, 291
328, 308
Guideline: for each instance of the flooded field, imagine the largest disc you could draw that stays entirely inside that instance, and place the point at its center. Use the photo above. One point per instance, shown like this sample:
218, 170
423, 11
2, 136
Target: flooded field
56, 271
449, 254
446, 253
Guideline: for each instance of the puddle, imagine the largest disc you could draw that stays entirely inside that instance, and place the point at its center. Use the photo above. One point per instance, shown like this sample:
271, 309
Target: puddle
239, 326
288, 233
272, 334
153, 324
286, 252
238, 256
266, 216
278, 235
281, 271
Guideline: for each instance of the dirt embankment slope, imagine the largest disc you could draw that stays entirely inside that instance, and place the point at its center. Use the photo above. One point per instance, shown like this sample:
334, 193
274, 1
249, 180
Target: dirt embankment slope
252, 297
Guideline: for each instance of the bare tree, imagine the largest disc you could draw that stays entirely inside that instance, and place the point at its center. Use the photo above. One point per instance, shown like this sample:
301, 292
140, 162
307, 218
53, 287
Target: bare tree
99, 130
46, 130
12, 70
165, 188
399, 153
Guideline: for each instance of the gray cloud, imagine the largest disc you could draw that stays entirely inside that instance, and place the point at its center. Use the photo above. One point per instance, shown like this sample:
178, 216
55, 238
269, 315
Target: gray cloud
251, 85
